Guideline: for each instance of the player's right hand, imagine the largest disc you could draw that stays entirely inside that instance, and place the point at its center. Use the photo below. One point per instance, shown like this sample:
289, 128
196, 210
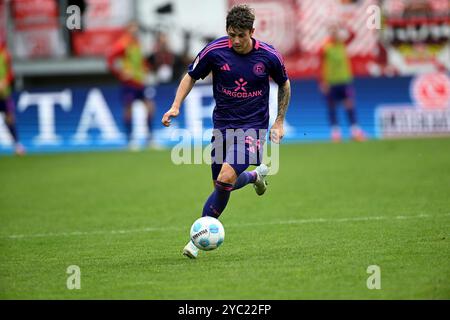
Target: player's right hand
166, 119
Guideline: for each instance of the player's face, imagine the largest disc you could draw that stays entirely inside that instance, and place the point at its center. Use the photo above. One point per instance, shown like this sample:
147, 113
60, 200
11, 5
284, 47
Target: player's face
241, 40
334, 33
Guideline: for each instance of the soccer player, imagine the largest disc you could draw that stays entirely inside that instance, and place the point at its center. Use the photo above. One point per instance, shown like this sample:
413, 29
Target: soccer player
336, 83
241, 67
127, 62
6, 100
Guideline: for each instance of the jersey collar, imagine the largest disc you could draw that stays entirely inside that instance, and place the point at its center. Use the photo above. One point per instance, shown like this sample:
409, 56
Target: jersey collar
256, 45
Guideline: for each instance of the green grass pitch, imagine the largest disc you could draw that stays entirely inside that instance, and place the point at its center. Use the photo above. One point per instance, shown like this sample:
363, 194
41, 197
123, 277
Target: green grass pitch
330, 212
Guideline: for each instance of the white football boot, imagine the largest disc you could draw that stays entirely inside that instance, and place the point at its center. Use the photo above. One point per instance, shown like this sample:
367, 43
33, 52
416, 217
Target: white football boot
190, 250
260, 184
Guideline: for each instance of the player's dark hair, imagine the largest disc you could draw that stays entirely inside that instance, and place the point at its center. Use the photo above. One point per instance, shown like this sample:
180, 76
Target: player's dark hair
240, 17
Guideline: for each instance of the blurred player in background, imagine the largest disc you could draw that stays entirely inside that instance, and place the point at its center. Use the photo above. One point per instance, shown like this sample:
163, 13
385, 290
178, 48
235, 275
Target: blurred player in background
240, 66
6, 100
336, 82
127, 62
162, 59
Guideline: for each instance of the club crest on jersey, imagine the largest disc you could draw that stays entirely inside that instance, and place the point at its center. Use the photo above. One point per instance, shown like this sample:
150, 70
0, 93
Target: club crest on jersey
259, 68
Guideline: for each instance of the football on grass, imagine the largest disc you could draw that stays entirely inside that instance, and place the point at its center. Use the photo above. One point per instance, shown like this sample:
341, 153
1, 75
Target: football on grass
207, 233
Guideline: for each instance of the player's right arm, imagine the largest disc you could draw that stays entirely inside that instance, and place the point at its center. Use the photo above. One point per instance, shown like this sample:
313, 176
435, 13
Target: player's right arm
186, 85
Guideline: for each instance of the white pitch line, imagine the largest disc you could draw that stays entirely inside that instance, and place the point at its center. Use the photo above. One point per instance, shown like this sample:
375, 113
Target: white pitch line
282, 222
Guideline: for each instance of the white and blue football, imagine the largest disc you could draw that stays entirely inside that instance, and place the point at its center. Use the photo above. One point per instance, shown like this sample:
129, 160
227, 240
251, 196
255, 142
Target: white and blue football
207, 233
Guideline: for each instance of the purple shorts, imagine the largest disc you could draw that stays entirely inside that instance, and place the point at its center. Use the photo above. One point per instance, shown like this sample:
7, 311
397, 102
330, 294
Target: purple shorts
6, 105
131, 93
340, 92
239, 148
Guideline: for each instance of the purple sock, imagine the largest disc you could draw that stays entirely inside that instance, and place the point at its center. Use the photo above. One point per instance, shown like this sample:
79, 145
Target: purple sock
244, 179
218, 200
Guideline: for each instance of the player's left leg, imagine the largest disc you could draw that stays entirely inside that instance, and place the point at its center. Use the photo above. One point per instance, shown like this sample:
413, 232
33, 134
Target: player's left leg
128, 97
254, 151
150, 107
331, 101
244, 179
7, 106
147, 95
128, 123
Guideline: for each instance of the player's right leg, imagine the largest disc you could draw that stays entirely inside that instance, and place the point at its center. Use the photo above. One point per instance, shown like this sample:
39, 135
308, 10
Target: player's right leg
217, 201
332, 115
219, 197
128, 124
128, 97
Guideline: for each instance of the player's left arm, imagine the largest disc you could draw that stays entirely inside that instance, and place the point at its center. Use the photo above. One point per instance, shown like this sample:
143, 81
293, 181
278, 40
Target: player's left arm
284, 96
117, 51
10, 75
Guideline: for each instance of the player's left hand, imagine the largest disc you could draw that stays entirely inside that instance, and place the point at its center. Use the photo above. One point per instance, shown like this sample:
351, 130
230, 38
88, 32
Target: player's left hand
276, 132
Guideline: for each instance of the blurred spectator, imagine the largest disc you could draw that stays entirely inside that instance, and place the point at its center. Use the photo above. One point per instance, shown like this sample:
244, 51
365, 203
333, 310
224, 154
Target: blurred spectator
167, 65
184, 60
6, 100
162, 60
127, 62
336, 82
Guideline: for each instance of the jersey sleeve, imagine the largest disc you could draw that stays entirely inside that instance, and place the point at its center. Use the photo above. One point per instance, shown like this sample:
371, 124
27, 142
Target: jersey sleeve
201, 66
277, 70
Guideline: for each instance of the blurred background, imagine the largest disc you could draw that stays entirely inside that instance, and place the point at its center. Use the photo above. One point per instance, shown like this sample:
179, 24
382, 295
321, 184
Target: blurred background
67, 97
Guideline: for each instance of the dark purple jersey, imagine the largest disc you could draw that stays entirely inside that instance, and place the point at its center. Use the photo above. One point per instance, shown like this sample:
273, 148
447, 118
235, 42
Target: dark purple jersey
240, 82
